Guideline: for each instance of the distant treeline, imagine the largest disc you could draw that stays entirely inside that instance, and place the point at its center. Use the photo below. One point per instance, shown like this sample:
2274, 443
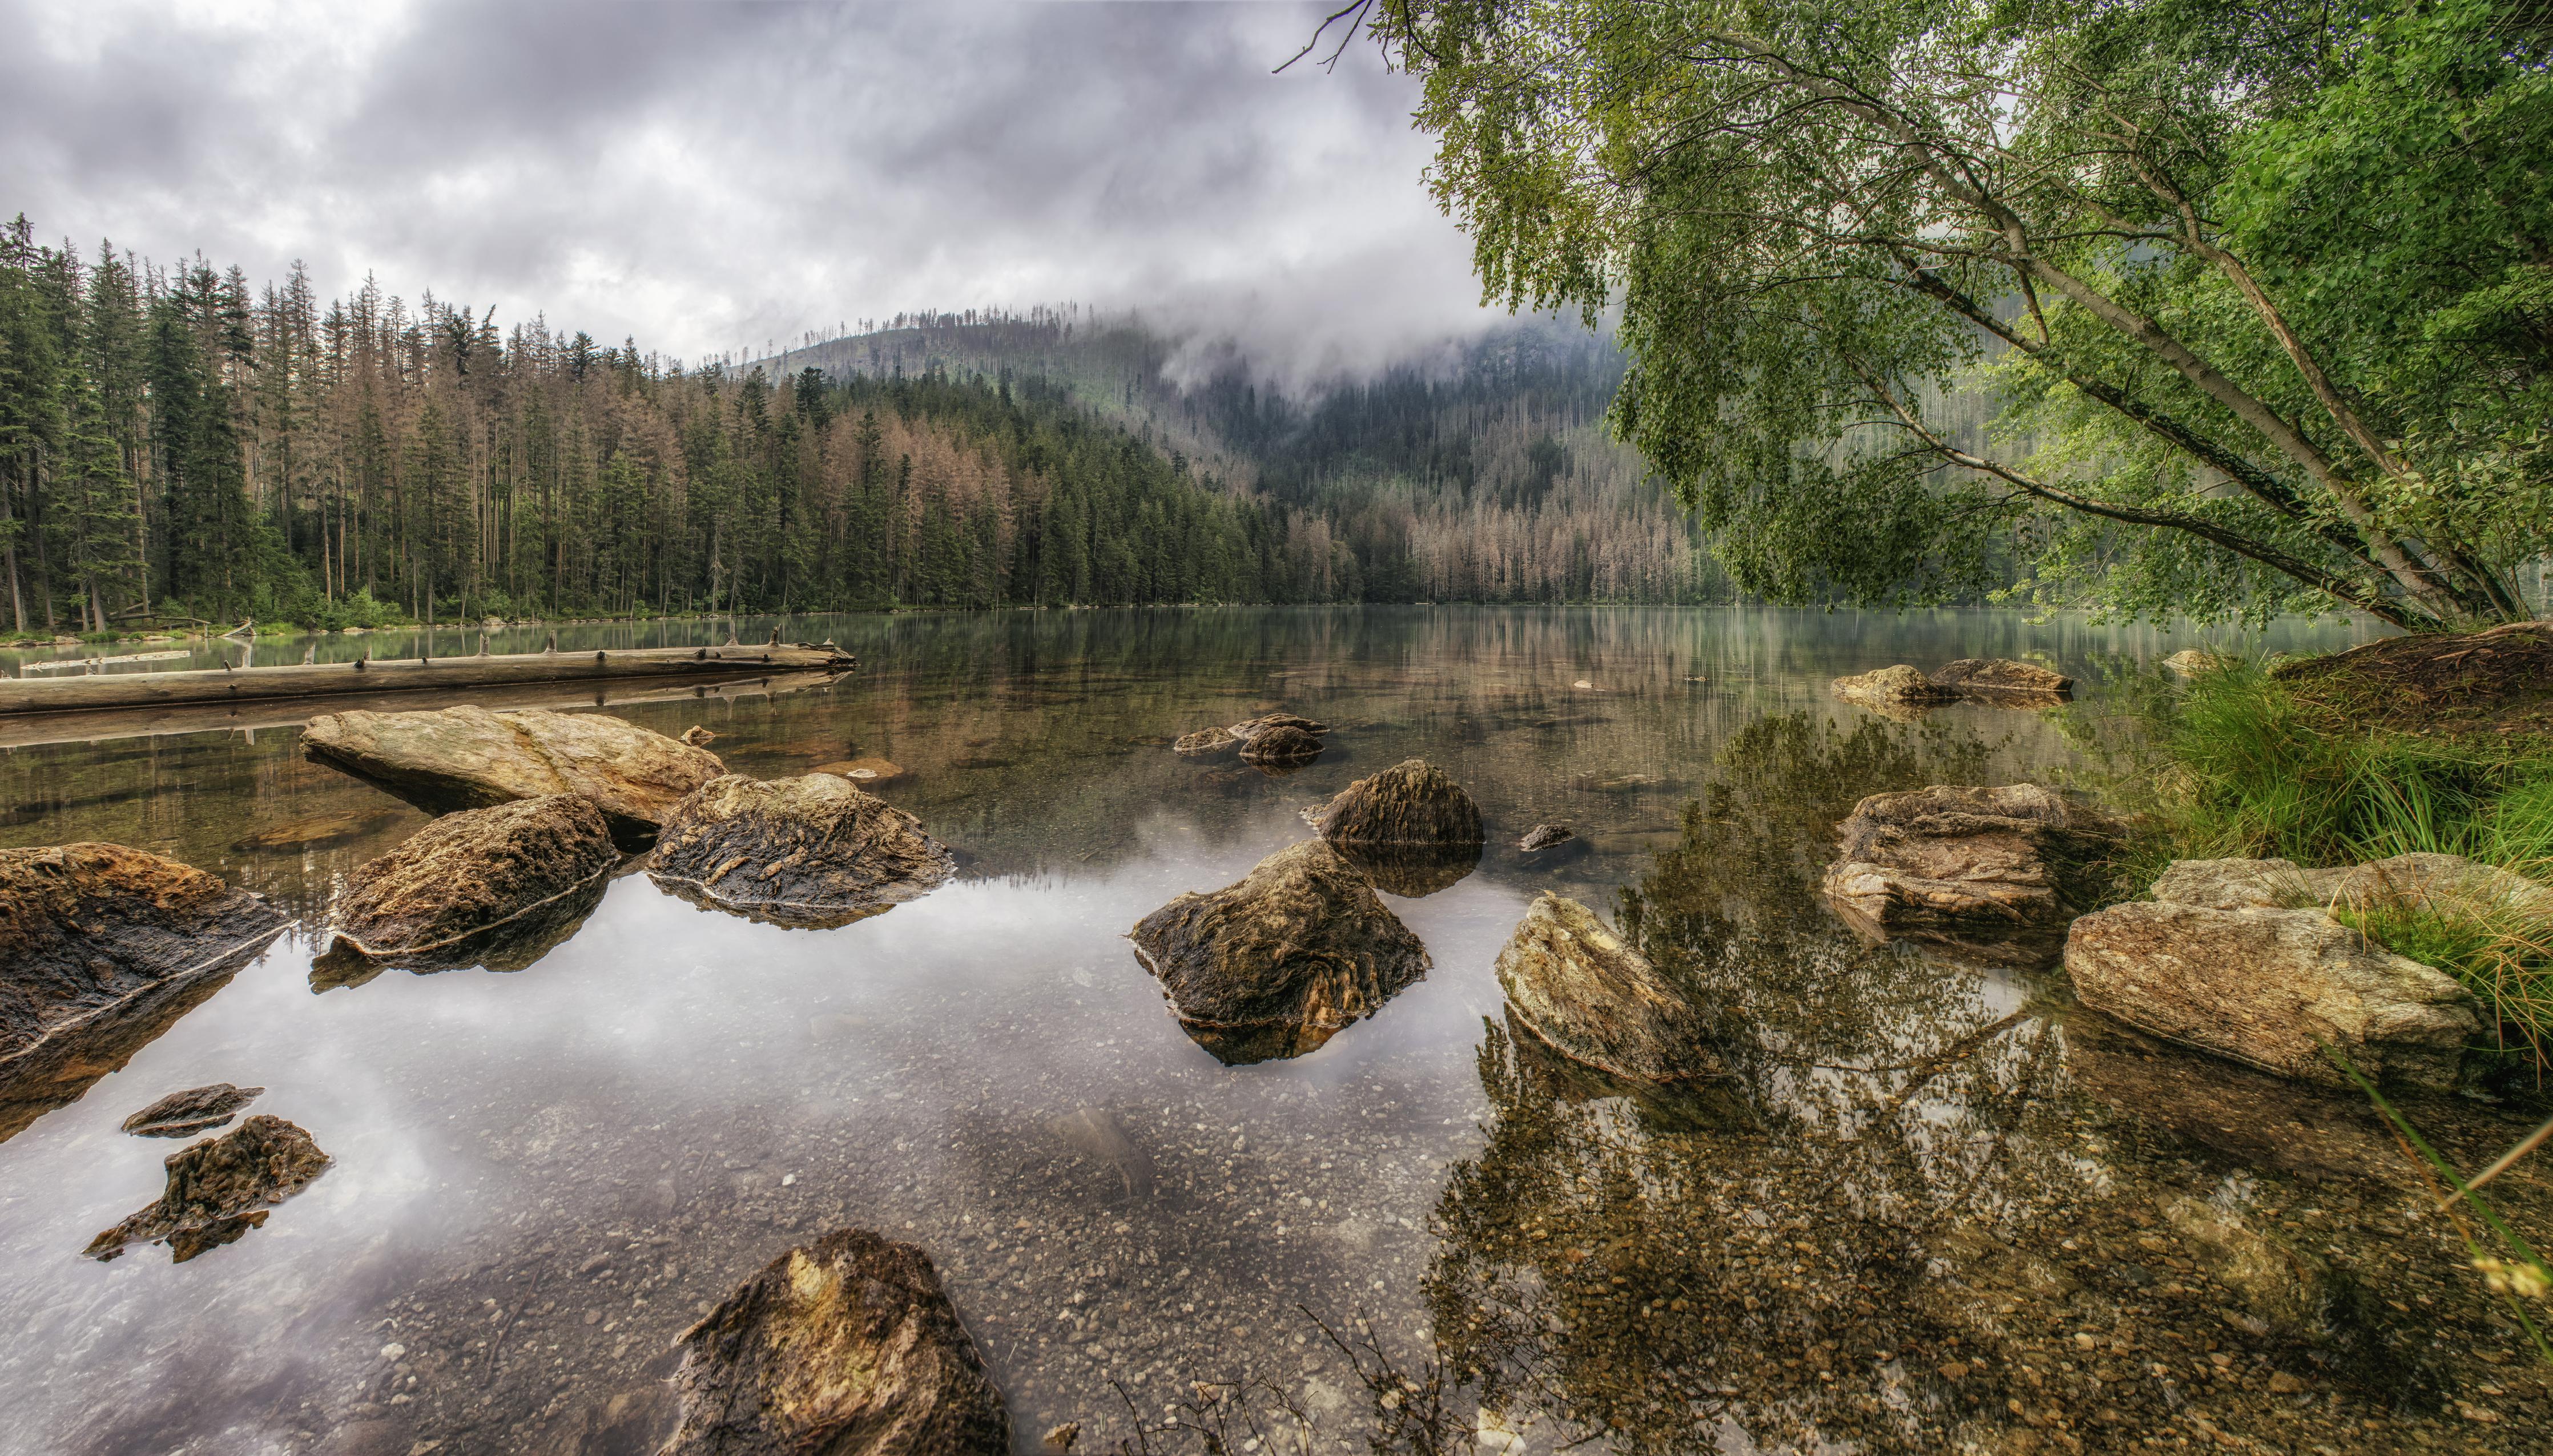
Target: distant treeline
173, 444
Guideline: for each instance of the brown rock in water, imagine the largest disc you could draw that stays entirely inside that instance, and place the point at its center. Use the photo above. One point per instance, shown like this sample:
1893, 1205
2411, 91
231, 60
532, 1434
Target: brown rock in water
1574, 983
1205, 740
699, 736
847, 1347
1546, 836
2270, 989
220, 1189
2192, 661
868, 774
1281, 745
1277, 963
1899, 686
1253, 728
314, 834
2000, 869
468, 757
1410, 803
101, 949
195, 1110
810, 851
463, 879
2286, 1286
2001, 677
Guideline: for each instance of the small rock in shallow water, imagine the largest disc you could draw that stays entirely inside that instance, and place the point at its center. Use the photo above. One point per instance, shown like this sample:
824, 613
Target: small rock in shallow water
1097, 1133
813, 851
1544, 837
1253, 728
699, 736
220, 1189
1979, 867
195, 1110
868, 774
468, 876
1278, 962
1281, 744
1571, 982
1413, 802
1899, 686
848, 1347
1205, 740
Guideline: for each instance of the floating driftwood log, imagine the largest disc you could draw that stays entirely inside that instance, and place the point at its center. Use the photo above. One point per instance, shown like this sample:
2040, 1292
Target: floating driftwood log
226, 685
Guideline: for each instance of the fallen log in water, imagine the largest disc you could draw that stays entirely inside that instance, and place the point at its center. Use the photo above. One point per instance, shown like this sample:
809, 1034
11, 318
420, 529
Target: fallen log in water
31, 730
224, 685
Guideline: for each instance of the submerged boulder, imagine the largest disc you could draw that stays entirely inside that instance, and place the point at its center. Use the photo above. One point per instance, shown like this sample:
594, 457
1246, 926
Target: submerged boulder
1994, 868
1413, 802
811, 852
1205, 740
2001, 677
102, 948
194, 1110
462, 881
1899, 686
467, 757
2271, 988
1253, 728
1277, 963
220, 1189
848, 1347
1281, 744
1574, 983
1546, 836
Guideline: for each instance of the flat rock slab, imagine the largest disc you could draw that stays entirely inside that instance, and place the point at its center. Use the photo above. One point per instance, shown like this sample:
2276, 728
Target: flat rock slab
813, 851
467, 757
1992, 678
194, 1110
1592, 998
221, 1188
1206, 740
2408, 879
469, 877
1280, 961
1413, 802
848, 1347
1899, 685
102, 948
1994, 868
2270, 989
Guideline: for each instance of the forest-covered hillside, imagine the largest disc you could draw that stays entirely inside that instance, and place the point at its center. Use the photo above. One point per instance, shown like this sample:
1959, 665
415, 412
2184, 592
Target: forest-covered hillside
1483, 472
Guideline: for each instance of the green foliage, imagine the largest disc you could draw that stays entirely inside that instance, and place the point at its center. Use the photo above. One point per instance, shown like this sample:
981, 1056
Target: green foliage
2260, 773
2260, 284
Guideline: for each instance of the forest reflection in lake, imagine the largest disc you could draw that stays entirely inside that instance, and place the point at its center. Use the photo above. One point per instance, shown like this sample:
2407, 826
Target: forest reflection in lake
1924, 1186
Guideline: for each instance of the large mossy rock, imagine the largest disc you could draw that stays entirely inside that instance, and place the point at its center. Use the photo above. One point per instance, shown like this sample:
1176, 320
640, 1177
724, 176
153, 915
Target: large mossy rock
848, 1347
220, 1188
102, 948
1413, 802
811, 852
2271, 988
1994, 868
1277, 963
458, 886
1993, 678
1588, 995
467, 757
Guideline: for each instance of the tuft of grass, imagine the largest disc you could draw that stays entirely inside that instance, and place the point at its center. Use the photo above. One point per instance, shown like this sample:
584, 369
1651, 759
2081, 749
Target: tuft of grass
2255, 771
2495, 938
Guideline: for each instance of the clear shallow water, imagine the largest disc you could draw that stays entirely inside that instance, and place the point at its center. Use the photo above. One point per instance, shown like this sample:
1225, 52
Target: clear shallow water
1928, 1182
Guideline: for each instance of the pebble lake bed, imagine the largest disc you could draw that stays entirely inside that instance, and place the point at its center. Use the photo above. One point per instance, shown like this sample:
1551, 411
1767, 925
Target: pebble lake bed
1923, 1202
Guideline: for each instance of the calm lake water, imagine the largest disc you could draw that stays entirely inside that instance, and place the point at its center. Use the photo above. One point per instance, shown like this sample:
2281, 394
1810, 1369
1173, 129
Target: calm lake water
1934, 1208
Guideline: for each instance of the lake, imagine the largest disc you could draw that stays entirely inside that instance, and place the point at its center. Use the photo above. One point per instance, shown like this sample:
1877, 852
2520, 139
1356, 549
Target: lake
1935, 1206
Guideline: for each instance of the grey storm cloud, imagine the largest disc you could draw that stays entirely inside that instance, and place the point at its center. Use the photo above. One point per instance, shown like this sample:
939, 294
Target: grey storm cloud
707, 177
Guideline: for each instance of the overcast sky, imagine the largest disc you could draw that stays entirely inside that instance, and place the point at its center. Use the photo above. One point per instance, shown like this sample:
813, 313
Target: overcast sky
710, 176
